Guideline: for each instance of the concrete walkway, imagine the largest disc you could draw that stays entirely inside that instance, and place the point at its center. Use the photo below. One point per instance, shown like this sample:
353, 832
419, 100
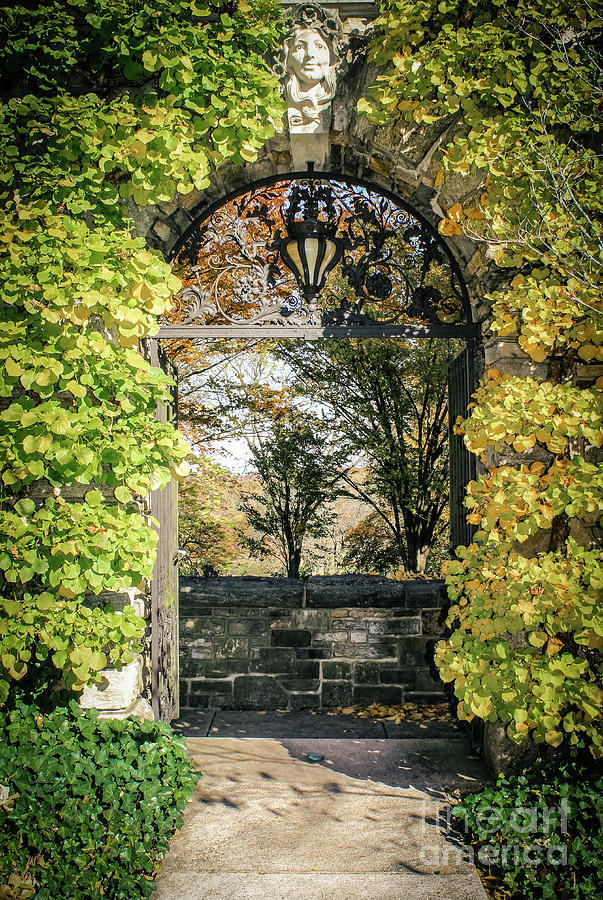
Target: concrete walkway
370, 820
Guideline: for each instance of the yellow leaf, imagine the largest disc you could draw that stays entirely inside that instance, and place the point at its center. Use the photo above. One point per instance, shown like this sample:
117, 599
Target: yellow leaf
554, 646
554, 738
138, 149
524, 442
537, 638
449, 228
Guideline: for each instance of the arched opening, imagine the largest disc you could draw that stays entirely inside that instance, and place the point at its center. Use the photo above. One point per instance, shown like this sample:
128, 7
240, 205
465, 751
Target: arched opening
309, 255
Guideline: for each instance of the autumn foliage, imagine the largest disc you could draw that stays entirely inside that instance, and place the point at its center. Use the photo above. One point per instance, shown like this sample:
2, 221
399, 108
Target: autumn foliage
521, 88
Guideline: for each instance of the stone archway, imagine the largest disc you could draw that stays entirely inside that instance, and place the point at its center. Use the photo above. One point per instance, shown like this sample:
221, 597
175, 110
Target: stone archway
165, 661
402, 159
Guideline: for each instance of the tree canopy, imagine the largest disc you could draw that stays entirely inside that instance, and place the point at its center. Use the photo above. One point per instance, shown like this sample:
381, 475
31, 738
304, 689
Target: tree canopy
389, 399
300, 465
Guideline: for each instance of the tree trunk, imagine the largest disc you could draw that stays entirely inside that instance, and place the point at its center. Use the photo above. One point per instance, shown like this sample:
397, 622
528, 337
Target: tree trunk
294, 563
418, 554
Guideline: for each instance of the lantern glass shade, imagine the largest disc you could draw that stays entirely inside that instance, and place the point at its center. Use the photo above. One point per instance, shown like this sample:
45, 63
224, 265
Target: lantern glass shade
311, 257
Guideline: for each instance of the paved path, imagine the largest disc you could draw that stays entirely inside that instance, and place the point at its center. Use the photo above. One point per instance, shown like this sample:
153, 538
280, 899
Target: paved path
367, 822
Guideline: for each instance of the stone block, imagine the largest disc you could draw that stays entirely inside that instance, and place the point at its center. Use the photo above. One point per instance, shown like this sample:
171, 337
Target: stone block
293, 638
433, 621
303, 700
415, 651
365, 651
272, 660
181, 220
231, 648
243, 592
331, 636
283, 622
421, 594
299, 684
377, 693
254, 626
218, 668
369, 615
238, 610
203, 626
189, 667
427, 679
195, 612
209, 694
259, 692
117, 599
306, 668
314, 619
358, 637
118, 688
192, 199
183, 687
162, 230
335, 670
201, 648
336, 693
346, 591
399, 676
405, 625
313, 652
140, 709
366, 673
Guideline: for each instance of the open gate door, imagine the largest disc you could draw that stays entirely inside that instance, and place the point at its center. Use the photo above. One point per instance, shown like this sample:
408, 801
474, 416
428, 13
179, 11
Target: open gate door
164, 587
461, 384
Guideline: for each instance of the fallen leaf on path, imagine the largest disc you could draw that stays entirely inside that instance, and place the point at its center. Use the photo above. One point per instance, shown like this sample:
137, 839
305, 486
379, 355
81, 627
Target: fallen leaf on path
408, 712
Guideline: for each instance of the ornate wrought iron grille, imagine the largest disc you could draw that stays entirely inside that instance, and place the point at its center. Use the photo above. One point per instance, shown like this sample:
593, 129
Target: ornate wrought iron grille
380, 268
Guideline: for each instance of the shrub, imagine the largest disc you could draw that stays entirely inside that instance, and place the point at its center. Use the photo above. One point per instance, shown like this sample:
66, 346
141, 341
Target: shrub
94, 802
541, 832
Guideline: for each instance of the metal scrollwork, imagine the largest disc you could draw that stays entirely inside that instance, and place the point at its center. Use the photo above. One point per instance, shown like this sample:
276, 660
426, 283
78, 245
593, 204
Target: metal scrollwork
391, 267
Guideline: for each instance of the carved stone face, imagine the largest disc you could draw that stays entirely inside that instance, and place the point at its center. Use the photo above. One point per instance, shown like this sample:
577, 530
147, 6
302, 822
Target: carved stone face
309, 57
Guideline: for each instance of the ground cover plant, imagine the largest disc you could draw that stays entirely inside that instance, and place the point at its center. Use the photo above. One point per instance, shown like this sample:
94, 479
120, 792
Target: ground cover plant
539, 835
91, 805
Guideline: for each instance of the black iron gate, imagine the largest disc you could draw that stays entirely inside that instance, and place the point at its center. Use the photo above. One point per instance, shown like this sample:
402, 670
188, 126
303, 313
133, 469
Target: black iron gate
253, 265
461, 384
164, 587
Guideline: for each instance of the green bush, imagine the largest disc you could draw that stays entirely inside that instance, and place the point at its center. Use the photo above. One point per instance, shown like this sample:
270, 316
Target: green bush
541, 832
95, 802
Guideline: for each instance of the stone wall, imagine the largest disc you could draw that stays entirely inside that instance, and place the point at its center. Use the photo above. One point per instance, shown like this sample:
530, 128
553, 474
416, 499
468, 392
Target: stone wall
278, 643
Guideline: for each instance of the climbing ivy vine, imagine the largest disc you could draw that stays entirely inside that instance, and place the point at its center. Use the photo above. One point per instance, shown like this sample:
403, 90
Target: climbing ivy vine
516, 92
105, 104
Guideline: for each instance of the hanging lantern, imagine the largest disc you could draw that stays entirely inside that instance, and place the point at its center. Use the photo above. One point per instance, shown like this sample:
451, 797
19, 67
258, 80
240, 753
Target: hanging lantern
310, 248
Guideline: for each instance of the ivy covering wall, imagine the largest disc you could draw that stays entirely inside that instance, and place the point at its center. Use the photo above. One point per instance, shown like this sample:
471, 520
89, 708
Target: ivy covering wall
103, 101
520, 86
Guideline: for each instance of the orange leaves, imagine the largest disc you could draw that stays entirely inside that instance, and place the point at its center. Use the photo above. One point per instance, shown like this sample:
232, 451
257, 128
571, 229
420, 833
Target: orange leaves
451, 225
